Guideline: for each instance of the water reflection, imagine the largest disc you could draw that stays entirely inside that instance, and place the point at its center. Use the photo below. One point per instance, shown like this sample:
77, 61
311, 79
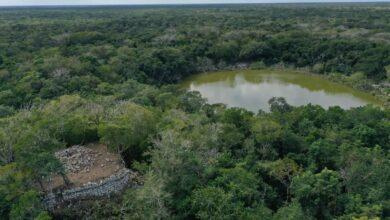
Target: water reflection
253, 89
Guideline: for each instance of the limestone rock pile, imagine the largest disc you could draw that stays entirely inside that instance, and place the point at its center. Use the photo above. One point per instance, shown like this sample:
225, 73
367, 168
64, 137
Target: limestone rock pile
77, 159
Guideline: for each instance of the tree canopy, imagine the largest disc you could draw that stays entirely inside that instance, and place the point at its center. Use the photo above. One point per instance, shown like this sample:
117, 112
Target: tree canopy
78, 75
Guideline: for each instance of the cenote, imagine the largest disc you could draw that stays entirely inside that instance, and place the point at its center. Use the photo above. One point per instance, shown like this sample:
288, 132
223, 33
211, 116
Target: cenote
251, 89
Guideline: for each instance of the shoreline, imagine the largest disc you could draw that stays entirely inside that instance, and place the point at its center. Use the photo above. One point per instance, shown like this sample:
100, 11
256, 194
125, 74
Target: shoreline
376, 90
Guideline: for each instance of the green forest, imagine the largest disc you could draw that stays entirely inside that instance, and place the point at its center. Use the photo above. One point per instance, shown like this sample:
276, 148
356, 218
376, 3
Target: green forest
78, 75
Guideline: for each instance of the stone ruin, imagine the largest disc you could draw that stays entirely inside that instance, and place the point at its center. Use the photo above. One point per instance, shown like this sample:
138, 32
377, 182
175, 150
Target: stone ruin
93, 171
76, 159
104, 188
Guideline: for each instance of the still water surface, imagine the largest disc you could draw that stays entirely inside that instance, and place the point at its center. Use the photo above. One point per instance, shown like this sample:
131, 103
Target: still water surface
251, 89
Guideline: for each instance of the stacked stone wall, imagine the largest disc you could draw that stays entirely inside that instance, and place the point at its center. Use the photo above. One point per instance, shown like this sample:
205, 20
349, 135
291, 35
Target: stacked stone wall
106, 187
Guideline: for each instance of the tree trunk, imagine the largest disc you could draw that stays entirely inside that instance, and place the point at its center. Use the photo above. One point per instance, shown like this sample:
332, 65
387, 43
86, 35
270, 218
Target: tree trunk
65, 178
41, 185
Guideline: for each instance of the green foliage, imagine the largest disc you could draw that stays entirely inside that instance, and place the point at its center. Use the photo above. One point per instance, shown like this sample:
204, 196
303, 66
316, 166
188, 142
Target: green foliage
56, 57
240, 183
43, 216
283, 171
28, 207
291, 212
258, 65
13, 184
6, 111
255, 50
239, 117
279, 104
65, 82
214, 203
323, 154
148, 202
84, 38
366, 167
191, 101
72, 119
266, 131
17, 201
35, 155
127, 128
318, 193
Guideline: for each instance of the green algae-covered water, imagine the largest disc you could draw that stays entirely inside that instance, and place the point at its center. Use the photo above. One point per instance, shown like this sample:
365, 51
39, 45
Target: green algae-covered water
251, 89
